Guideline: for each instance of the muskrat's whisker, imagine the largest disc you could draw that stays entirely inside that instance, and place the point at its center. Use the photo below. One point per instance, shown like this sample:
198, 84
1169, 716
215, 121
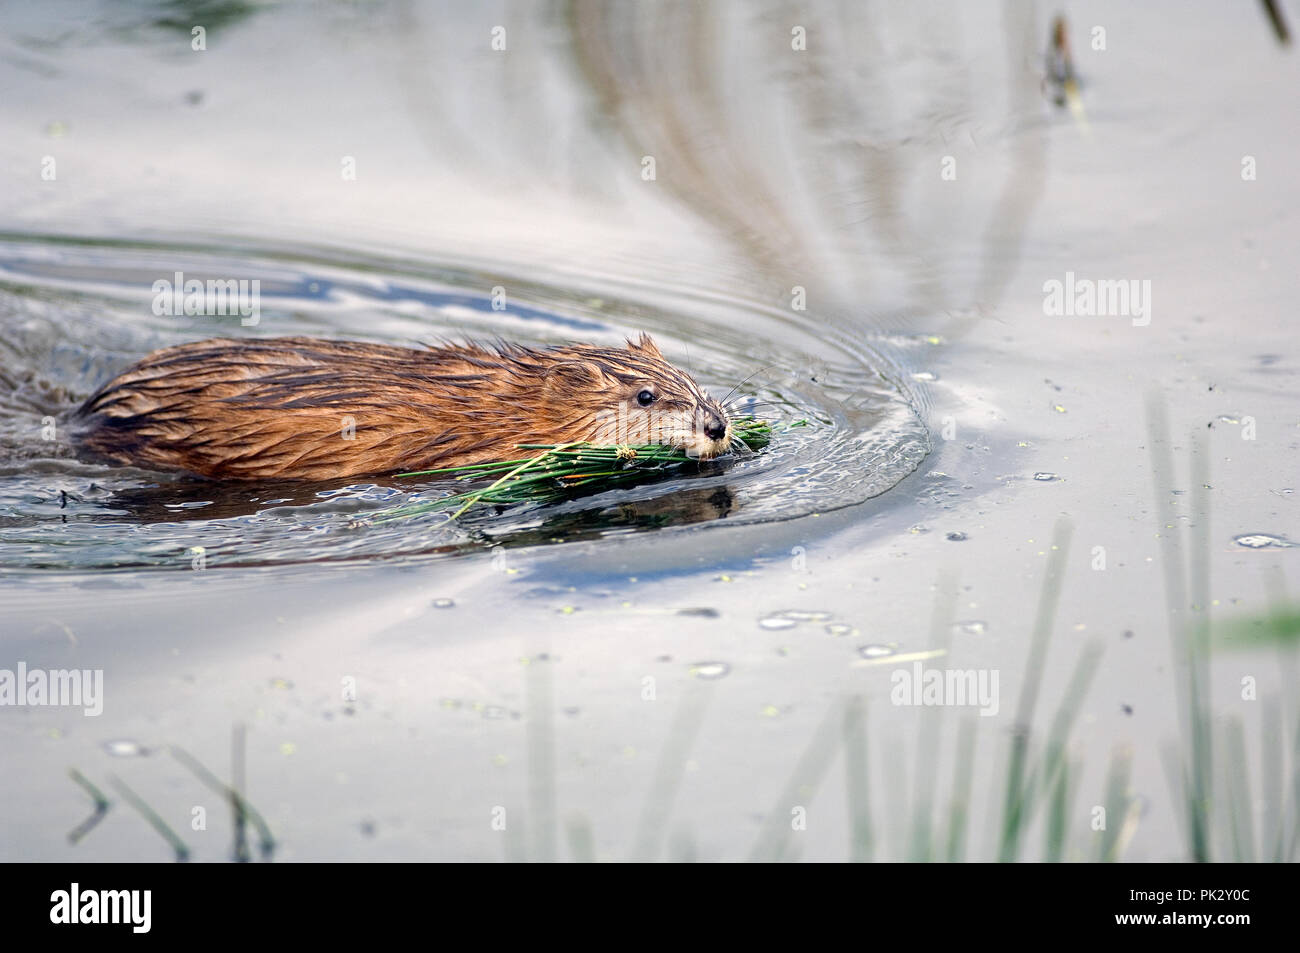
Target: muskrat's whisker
748, 404
747, 380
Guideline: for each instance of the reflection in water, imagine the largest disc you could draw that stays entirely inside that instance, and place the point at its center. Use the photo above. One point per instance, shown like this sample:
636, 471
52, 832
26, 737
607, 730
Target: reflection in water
817, 166
195, 500
683, 508
1023, 187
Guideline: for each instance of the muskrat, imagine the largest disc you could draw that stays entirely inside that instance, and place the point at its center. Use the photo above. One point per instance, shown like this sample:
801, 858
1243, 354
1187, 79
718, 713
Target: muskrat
308, 409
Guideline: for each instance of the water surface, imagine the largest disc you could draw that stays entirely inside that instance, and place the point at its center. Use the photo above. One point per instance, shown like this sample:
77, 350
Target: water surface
399, 684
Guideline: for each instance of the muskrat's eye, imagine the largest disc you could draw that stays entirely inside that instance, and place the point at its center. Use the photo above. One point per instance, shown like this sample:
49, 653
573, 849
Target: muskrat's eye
645, 398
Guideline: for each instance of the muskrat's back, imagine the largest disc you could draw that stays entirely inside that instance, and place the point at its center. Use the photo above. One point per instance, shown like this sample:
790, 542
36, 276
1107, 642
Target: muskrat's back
310, 409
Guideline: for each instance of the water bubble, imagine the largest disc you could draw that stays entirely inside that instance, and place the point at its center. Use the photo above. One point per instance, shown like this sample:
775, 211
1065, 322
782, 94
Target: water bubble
704, 612
710, 670
806, 615
956, 537
125, 748
876, 651
972, 627
839, 628
1044, 477
443, 603
789, 618
1261, 540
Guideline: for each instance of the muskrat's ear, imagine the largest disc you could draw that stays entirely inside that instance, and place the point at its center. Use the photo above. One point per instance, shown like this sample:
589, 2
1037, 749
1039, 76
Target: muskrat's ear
572, 375
647, 345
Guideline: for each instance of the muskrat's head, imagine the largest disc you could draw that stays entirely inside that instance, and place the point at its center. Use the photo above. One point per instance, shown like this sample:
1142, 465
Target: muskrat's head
632, 396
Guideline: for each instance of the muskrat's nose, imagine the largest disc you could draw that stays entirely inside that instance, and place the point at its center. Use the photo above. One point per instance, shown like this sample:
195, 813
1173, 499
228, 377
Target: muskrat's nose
715, 429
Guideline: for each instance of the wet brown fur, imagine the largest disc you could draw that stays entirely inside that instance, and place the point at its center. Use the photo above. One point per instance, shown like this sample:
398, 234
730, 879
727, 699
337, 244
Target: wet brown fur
277, 408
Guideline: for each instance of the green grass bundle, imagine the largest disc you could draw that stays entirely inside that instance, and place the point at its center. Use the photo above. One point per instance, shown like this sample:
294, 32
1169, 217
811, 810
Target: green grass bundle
555, 471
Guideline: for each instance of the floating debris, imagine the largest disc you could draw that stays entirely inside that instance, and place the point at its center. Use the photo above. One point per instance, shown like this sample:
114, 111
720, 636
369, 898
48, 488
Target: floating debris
1062, 81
